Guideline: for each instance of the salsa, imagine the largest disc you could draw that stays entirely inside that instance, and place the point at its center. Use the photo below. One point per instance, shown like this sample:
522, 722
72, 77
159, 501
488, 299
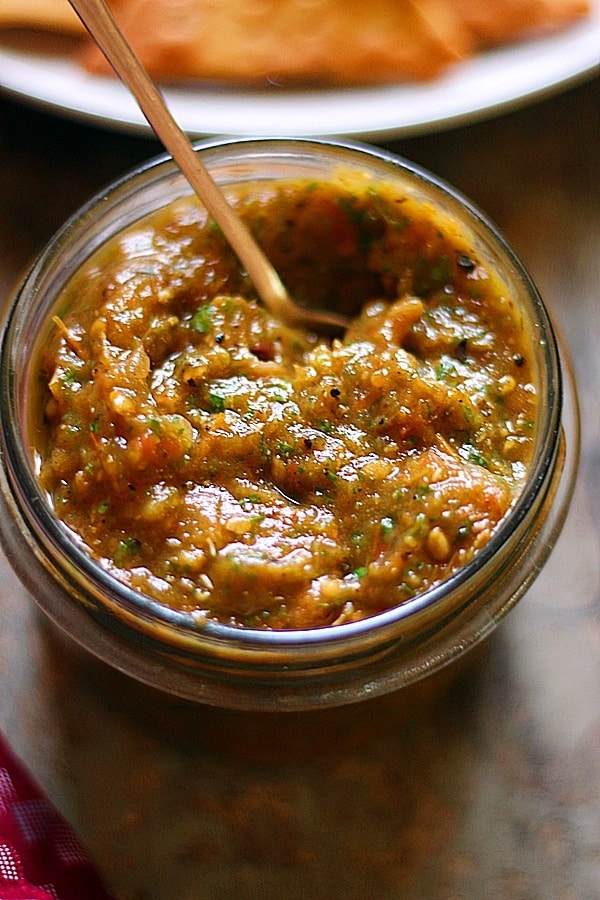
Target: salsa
225, 464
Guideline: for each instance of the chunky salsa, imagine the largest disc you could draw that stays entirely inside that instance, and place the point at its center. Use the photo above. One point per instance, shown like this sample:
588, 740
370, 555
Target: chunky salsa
224, 464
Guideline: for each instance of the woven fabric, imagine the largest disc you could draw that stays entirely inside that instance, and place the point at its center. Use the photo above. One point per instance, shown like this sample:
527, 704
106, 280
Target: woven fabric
41, 858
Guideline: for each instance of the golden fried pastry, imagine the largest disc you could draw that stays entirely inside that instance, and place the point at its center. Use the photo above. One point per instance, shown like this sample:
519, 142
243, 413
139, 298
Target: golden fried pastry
504, 21
44, 15
322, 41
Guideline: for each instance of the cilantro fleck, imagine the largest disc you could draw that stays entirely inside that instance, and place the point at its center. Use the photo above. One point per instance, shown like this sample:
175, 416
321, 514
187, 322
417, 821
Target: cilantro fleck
285, 449
474, 456
422, 490
445, 370
217, 403
202, 320
126, 549
387, 524
325, 427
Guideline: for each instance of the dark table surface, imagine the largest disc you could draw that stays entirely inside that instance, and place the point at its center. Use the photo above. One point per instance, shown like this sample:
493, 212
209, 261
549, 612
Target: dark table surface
490, 790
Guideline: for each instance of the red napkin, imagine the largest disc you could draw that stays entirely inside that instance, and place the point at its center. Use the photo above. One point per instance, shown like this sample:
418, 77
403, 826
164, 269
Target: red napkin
41, 858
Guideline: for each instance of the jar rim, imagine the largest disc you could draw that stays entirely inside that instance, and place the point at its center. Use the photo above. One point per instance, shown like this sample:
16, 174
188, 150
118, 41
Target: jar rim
38, 513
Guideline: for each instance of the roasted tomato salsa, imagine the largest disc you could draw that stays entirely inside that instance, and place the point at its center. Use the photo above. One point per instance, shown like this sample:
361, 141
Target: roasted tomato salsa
224, 464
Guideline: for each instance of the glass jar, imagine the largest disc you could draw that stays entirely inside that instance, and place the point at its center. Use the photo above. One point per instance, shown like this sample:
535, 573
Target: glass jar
245, 668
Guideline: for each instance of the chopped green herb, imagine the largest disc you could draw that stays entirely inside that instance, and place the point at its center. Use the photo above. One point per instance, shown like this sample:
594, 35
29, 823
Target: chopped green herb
126, 549
217, 402
202, 320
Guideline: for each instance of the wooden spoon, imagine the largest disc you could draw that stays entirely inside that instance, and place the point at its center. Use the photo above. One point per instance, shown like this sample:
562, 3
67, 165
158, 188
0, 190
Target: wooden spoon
102, 26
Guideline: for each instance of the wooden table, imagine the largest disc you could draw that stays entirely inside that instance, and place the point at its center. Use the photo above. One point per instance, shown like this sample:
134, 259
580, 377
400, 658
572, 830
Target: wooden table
493, 791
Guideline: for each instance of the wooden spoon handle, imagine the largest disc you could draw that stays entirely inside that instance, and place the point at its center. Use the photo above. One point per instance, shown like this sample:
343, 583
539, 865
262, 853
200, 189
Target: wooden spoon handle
101, 24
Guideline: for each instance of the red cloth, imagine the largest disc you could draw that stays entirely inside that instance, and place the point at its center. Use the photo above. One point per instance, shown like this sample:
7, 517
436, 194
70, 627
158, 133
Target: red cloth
41, 858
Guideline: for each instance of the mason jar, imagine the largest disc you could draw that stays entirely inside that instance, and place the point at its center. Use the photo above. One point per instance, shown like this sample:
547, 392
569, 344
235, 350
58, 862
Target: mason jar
245, 668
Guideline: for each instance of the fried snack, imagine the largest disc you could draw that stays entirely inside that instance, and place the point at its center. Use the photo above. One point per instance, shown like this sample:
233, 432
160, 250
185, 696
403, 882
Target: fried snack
290, 41
320, 42
44, 15
502, 22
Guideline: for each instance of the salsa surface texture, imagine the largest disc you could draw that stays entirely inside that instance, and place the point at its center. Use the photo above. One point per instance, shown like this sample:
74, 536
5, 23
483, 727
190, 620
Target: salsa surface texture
225, 464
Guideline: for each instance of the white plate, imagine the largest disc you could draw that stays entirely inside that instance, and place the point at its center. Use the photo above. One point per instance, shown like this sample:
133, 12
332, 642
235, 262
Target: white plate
484, 86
